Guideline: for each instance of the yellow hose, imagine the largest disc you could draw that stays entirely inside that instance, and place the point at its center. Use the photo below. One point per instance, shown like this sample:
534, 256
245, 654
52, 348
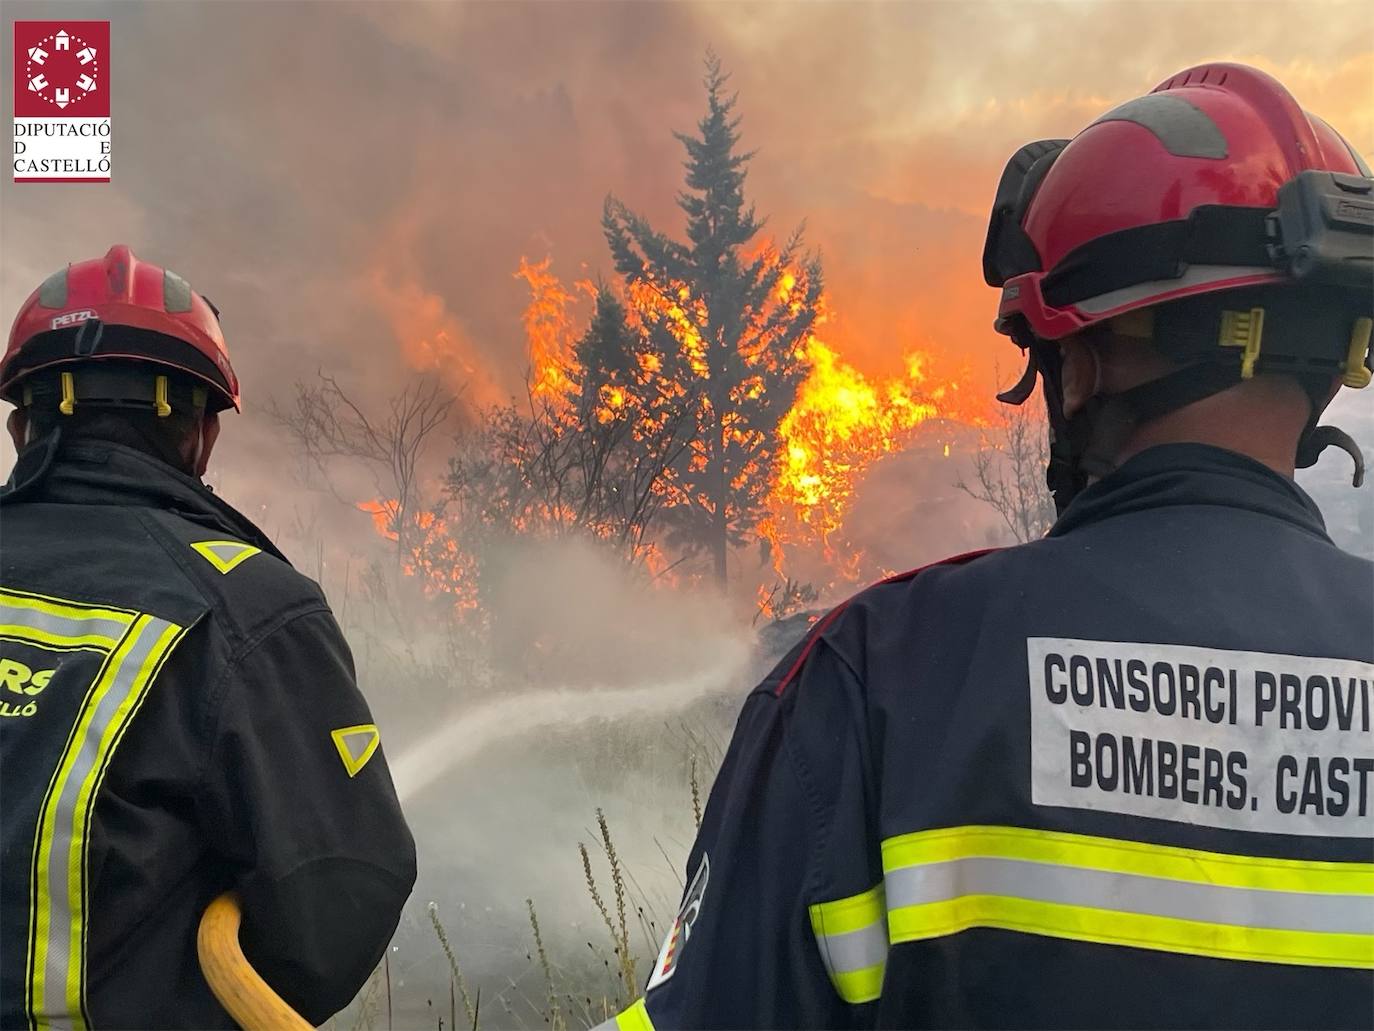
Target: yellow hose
249, 999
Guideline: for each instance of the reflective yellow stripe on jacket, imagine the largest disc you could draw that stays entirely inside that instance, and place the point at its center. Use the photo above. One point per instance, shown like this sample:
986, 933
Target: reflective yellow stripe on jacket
636, 1018
60, 625
852, 936
1084, 888
134, 648
1129, 893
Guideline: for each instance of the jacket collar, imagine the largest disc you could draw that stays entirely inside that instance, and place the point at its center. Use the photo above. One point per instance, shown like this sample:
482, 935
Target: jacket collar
89, 472
1192, 474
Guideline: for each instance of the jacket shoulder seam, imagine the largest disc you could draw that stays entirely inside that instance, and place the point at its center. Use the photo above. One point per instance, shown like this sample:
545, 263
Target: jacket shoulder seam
820, 821
160, 534
205, 580
823, 625
215, 695
953, 560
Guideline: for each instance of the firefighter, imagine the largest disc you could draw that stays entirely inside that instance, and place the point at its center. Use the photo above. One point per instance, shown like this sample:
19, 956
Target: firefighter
1122, 776
178, 710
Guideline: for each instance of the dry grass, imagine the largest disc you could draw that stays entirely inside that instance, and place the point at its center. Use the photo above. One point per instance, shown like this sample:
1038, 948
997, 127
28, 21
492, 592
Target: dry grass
456, 980
368, 1002
555, 1013
696, 792
559, 1006
568, 994
622, 935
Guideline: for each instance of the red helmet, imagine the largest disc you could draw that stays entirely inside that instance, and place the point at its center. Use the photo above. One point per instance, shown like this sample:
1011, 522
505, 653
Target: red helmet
1170, 195
118, 307
1243, 223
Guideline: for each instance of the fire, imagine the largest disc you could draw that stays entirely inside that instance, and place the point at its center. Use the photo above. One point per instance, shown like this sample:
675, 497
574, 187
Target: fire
613, 398
383, 512
431, 338
429, 551
549, 331
841, 422
672, 308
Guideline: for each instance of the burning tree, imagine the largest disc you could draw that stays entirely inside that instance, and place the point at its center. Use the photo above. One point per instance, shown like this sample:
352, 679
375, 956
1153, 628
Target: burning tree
841, 423
629, 417
727, 328
588, 453
699, 408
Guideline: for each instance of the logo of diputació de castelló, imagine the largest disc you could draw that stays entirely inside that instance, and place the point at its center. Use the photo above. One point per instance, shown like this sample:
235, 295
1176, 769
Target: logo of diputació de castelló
61, 101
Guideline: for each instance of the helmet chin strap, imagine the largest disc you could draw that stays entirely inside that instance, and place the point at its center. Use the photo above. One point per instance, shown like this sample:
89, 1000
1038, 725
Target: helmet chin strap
1085, 446
1112, 418
1317, 439
1064, 475
198, 453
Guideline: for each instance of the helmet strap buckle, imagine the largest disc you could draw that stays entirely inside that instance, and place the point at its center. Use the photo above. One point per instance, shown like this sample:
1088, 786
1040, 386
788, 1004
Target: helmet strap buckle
1243, 329
67, 406
1355, 369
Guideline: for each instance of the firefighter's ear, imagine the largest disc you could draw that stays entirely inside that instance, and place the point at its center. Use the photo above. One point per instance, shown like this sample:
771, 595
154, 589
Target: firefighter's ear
1082, 373
209, 433
18, 425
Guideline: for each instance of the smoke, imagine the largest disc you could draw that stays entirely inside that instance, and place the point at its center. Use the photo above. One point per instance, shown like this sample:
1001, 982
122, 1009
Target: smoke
587, 641
354, 185
347, 181
597, 695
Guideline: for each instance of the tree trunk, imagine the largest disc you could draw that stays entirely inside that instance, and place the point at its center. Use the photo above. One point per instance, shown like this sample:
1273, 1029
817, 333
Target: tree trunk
719, 547
720, 522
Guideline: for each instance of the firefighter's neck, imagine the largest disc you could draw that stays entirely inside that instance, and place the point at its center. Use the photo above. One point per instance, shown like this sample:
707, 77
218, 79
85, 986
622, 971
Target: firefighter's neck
195, 452
1261, 418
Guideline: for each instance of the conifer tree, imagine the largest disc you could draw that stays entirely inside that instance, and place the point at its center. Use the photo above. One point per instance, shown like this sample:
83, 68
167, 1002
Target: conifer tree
727, 319
627, 428
604, 357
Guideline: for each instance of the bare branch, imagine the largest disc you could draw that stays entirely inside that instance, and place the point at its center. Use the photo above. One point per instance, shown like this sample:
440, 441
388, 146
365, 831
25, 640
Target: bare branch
326, 423
1009, 467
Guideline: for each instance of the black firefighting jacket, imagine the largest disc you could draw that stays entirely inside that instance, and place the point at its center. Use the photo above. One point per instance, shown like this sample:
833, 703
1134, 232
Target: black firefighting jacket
178, 717
1119, 777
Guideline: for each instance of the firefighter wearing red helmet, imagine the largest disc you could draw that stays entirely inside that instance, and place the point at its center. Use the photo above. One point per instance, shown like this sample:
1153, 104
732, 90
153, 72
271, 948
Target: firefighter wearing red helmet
178, 710
1121, 776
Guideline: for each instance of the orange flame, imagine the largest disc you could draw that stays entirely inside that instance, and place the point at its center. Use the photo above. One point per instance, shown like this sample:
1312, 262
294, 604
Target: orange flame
549, 331
431, 338
432, 555
840, 423
383, 512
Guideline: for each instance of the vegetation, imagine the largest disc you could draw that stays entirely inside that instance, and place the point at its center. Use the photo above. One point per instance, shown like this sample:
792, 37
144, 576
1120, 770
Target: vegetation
565, 998
655, 432
588, 452
325, 422
728, 326
1009, 470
